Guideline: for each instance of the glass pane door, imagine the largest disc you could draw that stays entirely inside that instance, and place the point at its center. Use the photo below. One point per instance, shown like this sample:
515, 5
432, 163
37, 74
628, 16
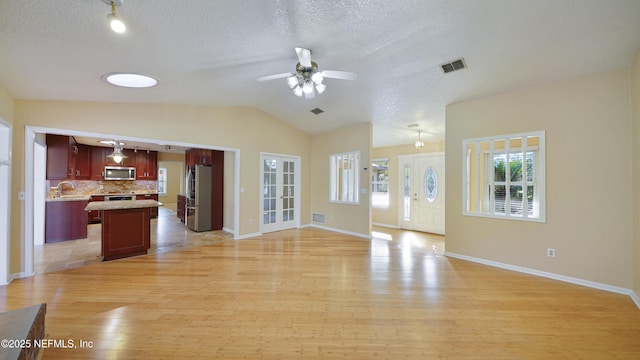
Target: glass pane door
279, 192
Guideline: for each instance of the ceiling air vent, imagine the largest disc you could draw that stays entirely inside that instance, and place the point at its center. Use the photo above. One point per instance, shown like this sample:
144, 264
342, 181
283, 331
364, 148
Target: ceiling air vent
454, 66
317, 111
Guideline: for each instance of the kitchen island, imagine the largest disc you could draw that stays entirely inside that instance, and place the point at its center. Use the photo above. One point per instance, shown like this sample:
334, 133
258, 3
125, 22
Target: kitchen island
125, 227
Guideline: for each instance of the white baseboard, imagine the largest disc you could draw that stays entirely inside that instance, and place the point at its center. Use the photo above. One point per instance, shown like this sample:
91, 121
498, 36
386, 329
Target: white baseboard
386, 225
635, 298
226, 229
19, 276
246, 236
346, 232
569, 279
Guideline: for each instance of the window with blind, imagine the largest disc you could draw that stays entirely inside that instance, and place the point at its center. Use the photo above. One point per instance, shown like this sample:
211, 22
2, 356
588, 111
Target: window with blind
344, 177
504, 176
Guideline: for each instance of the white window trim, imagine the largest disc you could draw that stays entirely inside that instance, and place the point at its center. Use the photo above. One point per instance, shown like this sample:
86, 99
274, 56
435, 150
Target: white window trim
356, 180
540, 175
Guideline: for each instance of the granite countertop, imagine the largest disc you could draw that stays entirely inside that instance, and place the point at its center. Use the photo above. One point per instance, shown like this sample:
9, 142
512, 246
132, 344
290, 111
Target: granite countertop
120, 204
70, 198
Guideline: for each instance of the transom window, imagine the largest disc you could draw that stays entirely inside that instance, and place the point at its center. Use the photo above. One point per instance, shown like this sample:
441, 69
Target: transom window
504, 176
344, 177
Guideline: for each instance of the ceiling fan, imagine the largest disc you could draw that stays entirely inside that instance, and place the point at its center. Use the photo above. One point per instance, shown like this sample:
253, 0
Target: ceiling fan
307, 80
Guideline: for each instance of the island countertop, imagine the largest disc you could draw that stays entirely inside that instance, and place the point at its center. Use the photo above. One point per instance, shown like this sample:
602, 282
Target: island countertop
120, 204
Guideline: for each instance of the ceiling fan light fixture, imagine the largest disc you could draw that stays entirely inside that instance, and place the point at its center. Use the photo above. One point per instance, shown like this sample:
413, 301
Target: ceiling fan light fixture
292, 81
317, 77
320, 88
298, 90
307, 87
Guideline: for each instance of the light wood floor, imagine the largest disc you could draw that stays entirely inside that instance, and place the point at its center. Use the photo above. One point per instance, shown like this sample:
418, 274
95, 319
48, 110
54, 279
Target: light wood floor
315, 294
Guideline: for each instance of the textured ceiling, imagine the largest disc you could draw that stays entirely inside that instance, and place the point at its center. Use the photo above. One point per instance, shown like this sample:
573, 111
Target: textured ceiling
211, 53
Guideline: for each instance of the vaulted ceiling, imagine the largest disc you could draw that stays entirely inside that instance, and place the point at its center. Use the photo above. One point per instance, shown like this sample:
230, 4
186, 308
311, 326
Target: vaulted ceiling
210, 52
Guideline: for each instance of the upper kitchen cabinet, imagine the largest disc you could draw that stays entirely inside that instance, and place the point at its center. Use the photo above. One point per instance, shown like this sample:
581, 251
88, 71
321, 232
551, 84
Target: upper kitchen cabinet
199, 157
61, 156
98, 159
146, 165
83, 162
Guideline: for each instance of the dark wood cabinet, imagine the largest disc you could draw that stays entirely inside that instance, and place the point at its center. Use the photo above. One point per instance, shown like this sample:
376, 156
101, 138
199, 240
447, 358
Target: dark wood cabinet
154, 210
83, 162
57, 157
98, 159
125, 232
199, 157
182, 202
65, 220
95, 216
146, 165
217, 189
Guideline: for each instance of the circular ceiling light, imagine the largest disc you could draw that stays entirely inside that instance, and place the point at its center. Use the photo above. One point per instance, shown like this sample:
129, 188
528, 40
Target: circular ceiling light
130, 80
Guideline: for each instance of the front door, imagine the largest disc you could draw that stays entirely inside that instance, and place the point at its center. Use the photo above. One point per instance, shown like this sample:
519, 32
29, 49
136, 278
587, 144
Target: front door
280, 192
422, 193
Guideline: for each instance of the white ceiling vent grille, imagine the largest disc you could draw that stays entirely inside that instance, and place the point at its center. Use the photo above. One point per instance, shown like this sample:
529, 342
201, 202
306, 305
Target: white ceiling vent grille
454, 66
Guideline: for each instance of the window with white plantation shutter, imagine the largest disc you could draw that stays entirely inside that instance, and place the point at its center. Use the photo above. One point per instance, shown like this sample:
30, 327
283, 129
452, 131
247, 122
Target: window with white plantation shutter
504, 176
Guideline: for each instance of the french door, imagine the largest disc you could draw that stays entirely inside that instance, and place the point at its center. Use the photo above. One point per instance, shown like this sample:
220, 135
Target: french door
280, 192
421, 197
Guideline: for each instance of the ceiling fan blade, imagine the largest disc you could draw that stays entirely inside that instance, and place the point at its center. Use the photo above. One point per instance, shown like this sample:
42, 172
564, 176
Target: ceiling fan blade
276, 76
304, 57
344, 75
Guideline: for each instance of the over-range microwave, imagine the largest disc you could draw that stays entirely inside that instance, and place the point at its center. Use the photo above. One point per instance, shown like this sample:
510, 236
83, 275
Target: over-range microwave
119, 173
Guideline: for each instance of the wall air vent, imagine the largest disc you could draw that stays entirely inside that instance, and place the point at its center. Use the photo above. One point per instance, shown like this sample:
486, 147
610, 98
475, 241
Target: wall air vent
318, 218
454, 66
317, 111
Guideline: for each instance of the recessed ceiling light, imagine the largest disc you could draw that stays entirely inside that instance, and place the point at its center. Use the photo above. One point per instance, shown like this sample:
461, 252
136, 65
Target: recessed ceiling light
130, 80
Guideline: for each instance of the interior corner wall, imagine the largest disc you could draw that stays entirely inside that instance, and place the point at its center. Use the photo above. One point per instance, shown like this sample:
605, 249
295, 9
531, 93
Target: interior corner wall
587, 121
348, 218
389, 216
635, 114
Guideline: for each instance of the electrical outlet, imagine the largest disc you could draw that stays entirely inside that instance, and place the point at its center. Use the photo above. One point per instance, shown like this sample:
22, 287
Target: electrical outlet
551, 252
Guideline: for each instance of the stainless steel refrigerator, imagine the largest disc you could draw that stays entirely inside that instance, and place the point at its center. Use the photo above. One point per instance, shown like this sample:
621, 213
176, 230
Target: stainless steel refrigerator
198, 207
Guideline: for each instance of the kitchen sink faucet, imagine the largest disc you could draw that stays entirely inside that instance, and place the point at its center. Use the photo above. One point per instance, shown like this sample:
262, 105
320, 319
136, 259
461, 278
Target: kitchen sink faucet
59, 187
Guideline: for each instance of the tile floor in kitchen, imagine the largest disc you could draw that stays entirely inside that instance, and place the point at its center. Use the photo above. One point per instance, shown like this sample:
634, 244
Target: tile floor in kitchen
167, 234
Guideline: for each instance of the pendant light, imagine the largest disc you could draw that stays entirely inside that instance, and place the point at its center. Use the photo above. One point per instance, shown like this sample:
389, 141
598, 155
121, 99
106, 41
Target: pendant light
117, 155
419, 144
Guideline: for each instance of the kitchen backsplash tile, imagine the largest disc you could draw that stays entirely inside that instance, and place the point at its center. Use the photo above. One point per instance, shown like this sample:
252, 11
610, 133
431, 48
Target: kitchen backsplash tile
88, 187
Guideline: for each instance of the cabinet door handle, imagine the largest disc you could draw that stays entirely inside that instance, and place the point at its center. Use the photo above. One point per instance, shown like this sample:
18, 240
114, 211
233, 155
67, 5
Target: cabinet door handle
77, 172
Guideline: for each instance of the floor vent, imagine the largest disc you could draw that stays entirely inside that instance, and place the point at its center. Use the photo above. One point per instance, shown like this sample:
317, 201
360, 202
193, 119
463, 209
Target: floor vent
454, 66
318, 218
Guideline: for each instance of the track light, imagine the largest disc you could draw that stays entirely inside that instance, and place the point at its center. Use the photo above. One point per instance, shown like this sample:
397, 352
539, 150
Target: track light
115, 22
